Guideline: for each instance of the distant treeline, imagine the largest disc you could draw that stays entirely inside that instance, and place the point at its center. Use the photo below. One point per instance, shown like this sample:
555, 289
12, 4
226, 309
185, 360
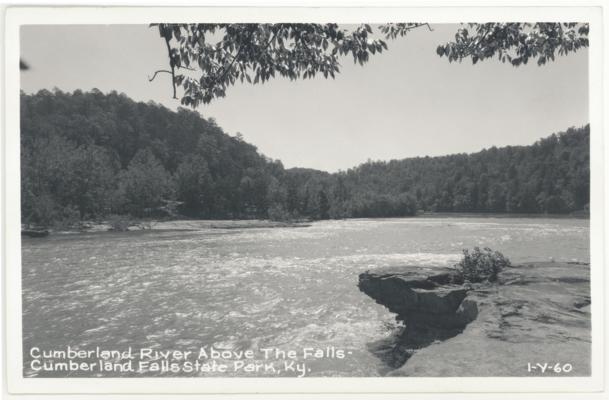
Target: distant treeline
87, 155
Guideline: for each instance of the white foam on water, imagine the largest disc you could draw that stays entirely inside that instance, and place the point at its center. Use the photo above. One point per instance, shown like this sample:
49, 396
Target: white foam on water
415, 259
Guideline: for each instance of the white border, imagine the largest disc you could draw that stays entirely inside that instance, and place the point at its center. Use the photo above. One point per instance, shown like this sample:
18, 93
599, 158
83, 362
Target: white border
15, 17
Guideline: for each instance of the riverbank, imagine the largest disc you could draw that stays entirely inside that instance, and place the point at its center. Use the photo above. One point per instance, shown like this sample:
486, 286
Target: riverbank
582, 214
176, 225
537, 313
123, 223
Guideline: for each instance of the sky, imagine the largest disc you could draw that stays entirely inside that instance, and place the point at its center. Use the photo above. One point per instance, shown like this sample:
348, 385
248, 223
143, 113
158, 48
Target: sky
405, 102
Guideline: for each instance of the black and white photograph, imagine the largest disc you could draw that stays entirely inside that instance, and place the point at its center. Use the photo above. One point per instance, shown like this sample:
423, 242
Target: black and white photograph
275, 199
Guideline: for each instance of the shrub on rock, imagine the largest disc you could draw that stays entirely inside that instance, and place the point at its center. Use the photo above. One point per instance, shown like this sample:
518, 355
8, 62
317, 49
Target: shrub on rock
481, 265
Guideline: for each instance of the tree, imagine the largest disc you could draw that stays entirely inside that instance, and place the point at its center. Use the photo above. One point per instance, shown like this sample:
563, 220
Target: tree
515, 43
63, 182
194, 184
324, 204
86, 155
144, 184
205, 59
258, 52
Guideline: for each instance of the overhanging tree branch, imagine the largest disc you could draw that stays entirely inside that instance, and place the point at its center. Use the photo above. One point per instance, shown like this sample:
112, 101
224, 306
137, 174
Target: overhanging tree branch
150, 79
307, 50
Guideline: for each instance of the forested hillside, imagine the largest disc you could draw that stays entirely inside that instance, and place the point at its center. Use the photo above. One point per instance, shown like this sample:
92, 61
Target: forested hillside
87, 155
550, 176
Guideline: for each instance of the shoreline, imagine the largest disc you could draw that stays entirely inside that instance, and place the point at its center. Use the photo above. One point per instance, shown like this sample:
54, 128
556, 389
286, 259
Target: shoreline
501, 215
137, 224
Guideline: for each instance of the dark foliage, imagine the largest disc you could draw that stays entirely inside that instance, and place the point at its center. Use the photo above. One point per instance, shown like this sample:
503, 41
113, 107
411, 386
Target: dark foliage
550, 176
481, 265
206, 59
224, 54
90, 155
516, 43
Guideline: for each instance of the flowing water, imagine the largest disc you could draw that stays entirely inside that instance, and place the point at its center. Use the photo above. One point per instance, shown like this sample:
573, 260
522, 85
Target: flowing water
239, 289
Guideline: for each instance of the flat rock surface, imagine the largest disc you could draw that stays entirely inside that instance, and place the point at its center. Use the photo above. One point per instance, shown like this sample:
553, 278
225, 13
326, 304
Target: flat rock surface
539, 313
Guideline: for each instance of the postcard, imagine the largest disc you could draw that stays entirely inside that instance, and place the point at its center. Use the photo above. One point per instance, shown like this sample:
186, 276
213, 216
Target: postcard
304, 200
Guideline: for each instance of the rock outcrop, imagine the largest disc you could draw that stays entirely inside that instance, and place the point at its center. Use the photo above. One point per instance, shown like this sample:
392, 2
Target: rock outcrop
535, 313
432, 307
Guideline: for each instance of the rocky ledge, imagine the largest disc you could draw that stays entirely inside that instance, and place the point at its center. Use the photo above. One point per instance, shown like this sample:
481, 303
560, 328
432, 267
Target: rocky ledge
535, 313
432, 308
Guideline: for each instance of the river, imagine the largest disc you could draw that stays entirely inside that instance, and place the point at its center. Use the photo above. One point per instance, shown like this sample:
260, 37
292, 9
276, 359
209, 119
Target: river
239, 289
